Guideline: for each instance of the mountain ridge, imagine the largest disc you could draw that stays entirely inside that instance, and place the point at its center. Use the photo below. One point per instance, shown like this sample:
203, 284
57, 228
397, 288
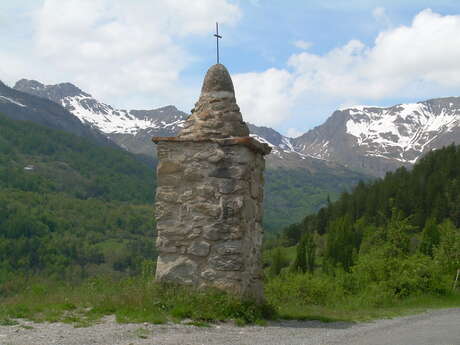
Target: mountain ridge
310, 180
380, 139
368, 139
19, 105
133, 129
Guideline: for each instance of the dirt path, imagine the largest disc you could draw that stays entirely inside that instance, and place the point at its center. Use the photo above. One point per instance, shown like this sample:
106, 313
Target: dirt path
441, 327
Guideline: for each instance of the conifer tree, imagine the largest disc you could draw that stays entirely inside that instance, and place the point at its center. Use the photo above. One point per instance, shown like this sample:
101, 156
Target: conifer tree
300, 262
310, 248
278, 262
430, 237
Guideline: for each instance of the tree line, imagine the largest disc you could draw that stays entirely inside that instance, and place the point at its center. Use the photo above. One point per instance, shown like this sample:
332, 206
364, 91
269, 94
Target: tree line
399, 234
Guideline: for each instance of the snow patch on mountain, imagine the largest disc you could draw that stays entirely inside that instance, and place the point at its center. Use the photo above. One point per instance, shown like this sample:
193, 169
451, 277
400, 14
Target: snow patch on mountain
5, 99
104, 117
143, 124
405, 127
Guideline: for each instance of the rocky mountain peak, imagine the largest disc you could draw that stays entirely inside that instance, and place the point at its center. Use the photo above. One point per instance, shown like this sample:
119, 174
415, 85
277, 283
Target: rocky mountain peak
379, 139
55, 93
28, 84
369, 139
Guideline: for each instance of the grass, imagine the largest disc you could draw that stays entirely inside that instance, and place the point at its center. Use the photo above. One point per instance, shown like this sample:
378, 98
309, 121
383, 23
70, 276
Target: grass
6, 321
358, 310
138, 300
130, 300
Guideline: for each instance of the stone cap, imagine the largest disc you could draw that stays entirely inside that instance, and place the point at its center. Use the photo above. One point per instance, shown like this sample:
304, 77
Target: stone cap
216, 114
218, 82
249, 142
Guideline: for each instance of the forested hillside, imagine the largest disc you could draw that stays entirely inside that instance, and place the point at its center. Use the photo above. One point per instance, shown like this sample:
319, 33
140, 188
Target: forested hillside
428, 192
386, 240
69, 207
292, 193
60, 162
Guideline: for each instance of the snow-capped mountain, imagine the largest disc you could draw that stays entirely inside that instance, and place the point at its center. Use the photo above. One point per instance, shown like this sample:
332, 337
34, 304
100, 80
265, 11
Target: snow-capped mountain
133, 129
24, 106
300, 186
369, 139
376, 139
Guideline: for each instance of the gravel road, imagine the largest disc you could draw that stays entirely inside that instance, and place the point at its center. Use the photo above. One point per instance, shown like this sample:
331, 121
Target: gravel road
441, 327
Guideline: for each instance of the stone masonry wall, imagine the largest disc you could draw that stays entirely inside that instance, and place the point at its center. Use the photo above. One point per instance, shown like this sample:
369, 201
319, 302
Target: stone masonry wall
209, 214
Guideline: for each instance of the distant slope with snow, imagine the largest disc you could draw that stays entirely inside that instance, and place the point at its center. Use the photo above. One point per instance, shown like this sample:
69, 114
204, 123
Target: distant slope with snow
377, 139
295, 182
133, 129
19, 105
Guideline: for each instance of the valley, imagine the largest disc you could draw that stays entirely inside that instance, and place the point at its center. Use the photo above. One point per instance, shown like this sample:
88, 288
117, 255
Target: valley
229, 172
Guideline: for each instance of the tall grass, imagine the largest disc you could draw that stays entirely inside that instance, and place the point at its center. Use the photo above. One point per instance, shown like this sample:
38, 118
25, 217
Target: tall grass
374, 288
133, 299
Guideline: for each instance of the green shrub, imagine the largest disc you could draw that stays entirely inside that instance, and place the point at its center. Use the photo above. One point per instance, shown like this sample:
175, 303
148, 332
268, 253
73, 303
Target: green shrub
303, 289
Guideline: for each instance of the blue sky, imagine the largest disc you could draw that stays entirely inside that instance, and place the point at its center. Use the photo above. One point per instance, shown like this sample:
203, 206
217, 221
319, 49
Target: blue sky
293, 62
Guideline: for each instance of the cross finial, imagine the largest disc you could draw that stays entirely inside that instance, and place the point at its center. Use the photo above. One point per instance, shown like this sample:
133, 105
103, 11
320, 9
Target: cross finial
217, 36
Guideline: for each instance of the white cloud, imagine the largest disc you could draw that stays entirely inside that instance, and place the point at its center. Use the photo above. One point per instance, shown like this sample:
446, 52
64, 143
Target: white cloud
304, 45
426, 52
412, 61
264, 98
132, 53
120, 48
293, 133
380, 15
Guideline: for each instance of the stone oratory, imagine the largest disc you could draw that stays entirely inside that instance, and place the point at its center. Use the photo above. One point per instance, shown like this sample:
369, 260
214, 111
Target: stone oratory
209, 196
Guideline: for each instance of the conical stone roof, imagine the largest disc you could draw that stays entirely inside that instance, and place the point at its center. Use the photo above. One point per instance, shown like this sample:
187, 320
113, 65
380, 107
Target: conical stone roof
216, 114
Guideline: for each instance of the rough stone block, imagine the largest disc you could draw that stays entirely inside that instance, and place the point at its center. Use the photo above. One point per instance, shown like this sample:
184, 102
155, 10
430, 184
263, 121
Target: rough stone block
166, 167
226, 262
168, 180
176, 268
199, 248
193, 174
207, 208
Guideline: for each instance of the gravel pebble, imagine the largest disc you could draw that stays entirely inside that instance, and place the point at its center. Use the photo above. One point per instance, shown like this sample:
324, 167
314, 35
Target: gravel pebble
440, 327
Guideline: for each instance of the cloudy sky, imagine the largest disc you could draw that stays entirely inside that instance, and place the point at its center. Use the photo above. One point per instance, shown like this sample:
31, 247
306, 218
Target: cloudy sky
293, 62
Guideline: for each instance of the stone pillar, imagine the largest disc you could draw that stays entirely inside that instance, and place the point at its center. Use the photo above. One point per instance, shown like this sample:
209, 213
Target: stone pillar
209, 196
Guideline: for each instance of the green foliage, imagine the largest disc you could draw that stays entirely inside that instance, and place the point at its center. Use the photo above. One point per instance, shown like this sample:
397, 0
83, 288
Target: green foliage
278, 262
72, 238
80, 211
305, 254
447, 253
300, 262
303, 289
397, 233
430, 237
385, 278
66, 163
292, 193
342, 242
388, 242
431, 190
376, 280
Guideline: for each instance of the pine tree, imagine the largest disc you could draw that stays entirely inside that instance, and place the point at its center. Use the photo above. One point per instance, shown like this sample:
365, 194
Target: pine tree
447, 253
300, 262
278, 262
430, 237
341, 242
310, 248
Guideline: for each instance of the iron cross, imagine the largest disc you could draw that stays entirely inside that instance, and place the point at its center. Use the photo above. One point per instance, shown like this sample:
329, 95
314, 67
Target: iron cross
217, 36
